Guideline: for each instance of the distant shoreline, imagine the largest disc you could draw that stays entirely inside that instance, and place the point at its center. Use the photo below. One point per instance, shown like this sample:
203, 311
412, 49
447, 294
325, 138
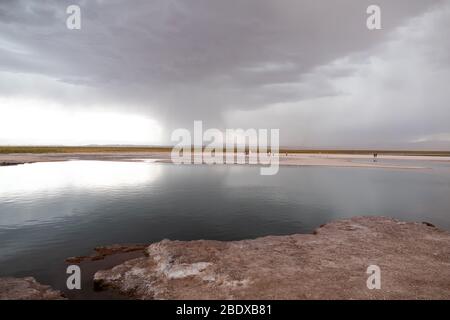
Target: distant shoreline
387, 161
162, 149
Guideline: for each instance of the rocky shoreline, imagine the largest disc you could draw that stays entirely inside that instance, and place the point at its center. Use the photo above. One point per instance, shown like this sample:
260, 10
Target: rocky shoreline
414, 259
27, 289
10, 163
102, 252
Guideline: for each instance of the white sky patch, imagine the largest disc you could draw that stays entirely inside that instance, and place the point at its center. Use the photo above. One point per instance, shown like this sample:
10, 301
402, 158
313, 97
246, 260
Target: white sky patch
12, 47
39, 122
433, 137
271, 67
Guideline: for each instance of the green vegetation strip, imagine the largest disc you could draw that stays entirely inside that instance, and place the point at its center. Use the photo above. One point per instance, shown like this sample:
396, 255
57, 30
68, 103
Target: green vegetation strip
44, 149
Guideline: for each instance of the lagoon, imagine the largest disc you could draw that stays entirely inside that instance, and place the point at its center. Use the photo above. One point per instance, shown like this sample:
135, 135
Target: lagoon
53, 210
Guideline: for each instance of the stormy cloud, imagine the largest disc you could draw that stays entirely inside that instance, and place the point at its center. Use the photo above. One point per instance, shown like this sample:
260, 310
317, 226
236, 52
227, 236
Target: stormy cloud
310, 68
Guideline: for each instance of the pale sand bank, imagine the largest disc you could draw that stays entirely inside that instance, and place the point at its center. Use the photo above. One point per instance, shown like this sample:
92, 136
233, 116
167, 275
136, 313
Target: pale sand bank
304, 159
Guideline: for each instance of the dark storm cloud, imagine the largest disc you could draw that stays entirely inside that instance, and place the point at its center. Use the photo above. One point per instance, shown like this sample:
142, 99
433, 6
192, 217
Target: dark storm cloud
185, 60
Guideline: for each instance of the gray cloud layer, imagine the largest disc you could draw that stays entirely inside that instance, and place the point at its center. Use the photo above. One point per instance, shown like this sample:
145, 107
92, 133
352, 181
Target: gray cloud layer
310, 68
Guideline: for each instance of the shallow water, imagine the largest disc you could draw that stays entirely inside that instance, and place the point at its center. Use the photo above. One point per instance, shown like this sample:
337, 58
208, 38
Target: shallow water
51, 211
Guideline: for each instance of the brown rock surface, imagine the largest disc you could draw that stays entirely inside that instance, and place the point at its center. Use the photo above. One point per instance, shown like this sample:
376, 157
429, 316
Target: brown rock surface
104, 251
330, 264
26, 289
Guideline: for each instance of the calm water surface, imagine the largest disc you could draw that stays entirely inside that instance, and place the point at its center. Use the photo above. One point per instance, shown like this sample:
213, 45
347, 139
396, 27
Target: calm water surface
51, 211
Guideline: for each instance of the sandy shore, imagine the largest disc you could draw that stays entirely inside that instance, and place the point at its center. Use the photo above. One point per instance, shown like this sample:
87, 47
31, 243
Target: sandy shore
335, 160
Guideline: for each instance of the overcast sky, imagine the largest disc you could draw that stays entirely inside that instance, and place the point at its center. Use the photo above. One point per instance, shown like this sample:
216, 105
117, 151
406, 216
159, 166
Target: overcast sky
139, 69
